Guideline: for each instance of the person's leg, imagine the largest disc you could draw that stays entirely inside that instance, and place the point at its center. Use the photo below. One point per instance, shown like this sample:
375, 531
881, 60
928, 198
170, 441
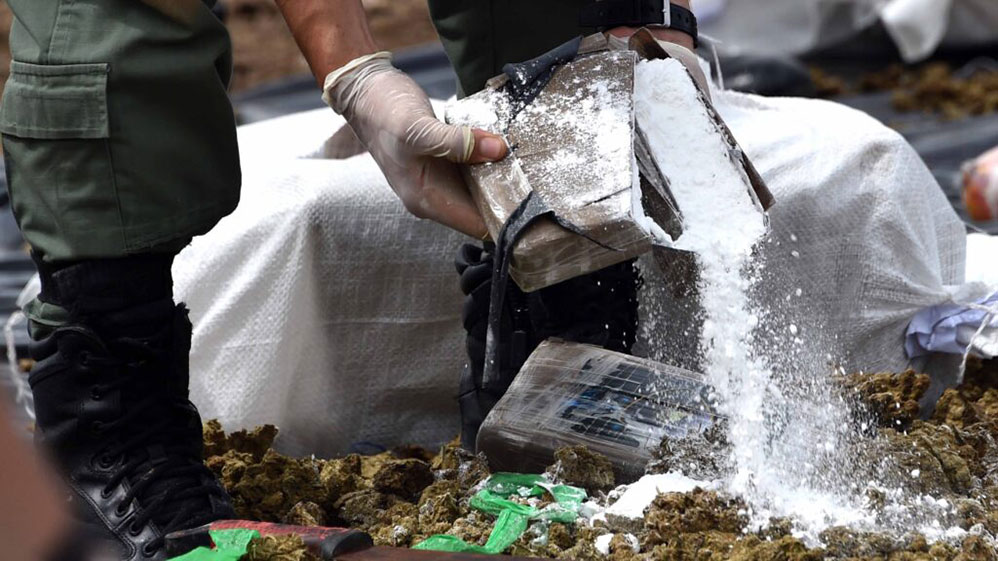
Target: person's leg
600, 308
120, 146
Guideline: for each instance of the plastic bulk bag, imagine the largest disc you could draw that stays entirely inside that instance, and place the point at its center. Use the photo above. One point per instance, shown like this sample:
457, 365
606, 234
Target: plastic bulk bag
321, 305
862, 238
917, 27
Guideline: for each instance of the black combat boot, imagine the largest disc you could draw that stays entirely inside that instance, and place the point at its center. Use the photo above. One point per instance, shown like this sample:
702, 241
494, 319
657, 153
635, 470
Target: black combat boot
600, 309
112, 406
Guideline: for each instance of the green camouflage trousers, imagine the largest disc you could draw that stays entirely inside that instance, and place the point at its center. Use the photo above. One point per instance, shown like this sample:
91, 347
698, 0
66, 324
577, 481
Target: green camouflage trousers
117, 131
118, 134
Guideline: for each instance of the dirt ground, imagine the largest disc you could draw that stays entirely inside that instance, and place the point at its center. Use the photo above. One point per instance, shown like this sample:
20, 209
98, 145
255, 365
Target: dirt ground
934, 87
403, 496
263, 48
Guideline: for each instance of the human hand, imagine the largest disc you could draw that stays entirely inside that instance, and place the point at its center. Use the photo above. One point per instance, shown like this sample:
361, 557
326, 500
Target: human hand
418, 154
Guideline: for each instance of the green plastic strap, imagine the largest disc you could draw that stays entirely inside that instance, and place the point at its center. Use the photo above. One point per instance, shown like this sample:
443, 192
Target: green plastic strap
512, 518
487, 501
509, 527
567, 495
507, 484
230, 545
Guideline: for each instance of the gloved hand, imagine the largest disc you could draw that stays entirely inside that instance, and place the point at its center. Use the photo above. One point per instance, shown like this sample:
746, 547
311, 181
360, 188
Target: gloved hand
418, 154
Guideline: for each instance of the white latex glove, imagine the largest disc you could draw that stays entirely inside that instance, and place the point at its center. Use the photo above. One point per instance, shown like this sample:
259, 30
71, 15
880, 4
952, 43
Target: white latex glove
418, 154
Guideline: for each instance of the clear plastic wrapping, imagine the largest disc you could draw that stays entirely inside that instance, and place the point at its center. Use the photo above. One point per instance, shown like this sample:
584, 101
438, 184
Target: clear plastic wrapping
618, 405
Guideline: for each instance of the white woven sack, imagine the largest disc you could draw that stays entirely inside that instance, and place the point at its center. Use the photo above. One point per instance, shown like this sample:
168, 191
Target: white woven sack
320, 305
862, 238
917, 27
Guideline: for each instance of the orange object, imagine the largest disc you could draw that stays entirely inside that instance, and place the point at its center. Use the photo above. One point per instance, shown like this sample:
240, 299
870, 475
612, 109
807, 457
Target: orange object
980, 186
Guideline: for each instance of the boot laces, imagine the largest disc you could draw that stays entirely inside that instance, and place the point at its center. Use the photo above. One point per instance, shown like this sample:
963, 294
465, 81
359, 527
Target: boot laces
169, 482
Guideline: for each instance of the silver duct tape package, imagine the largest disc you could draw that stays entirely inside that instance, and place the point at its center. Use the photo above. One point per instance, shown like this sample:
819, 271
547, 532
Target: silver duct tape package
578, 146
574, 146
621, 406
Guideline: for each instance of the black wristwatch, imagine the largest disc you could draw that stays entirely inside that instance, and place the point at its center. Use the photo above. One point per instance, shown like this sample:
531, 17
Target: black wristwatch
607, 14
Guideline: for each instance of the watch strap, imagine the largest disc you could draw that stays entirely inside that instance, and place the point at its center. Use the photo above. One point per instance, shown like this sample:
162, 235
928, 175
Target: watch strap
606, 14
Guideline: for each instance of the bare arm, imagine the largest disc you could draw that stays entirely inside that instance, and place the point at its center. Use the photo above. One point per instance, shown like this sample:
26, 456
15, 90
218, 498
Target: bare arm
390, 113
330, 33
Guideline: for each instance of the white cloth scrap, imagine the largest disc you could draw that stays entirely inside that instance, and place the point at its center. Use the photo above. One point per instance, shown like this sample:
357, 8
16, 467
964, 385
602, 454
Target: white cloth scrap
950, 328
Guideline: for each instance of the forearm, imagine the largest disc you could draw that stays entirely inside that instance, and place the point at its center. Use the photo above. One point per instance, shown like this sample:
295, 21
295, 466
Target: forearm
330, 33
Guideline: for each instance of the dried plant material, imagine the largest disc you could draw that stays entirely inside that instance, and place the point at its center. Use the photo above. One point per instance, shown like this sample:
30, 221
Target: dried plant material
579, 466
891, 399
952, 457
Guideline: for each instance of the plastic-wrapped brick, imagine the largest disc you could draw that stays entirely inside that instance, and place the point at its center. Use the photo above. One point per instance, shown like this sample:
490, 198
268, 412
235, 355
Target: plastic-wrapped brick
617, 405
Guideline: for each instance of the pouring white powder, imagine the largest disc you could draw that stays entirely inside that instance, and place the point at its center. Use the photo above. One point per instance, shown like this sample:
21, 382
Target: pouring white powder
722, 226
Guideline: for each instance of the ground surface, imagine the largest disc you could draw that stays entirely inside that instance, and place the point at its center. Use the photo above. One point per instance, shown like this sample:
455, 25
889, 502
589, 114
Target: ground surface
403, 496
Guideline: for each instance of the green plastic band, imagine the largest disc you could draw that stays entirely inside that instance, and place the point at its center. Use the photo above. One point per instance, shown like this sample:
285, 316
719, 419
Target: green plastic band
512, 518
230, 545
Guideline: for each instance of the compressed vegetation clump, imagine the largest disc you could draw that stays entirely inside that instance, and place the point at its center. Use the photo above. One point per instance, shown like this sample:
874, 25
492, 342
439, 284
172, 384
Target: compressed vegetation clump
577, 465
278, 548
269, 487
404, 496
306, 513
891, 399
405, 478
674, 514
254, 442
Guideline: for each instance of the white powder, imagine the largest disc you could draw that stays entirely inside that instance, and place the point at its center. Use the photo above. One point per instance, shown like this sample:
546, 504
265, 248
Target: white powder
596, 117
709, 188
602, 543
722, 225
636, 497
479, 111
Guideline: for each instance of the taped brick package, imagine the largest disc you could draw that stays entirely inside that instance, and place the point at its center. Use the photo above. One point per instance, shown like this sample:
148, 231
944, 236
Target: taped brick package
577, 146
